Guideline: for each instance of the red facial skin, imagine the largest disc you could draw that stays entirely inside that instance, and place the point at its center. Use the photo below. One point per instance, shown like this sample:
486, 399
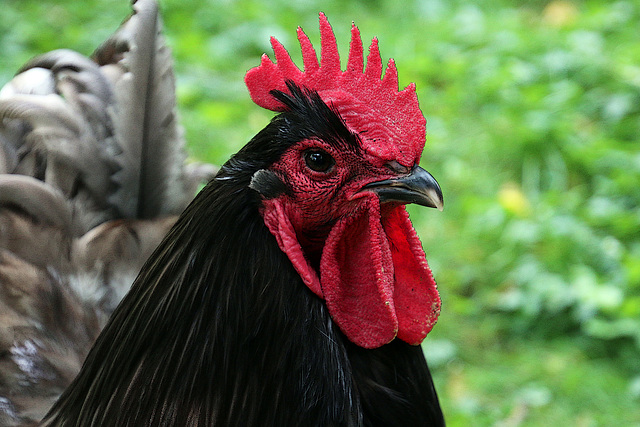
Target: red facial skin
362, 257
320, 198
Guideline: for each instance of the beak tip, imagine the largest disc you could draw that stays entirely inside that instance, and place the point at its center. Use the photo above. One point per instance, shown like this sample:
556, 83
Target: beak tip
434, 195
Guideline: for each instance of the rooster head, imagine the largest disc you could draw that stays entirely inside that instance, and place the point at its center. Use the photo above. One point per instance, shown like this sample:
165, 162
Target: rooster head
334, 199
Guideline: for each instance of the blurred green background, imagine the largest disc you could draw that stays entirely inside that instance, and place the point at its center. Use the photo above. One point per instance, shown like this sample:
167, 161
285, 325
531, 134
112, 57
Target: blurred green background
533, 117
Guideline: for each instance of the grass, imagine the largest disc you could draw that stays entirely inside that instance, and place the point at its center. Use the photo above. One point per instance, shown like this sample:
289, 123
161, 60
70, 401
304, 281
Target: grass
532, 111
497, 380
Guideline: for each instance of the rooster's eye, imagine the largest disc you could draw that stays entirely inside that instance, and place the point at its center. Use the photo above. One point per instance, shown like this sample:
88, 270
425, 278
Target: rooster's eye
318, 160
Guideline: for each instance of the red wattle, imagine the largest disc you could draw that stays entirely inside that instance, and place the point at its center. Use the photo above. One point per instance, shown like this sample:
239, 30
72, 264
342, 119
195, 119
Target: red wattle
356, 274
373, 274
416, 294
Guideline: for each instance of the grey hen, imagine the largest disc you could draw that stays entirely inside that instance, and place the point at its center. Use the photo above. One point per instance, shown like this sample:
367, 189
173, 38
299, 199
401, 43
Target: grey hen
92, 176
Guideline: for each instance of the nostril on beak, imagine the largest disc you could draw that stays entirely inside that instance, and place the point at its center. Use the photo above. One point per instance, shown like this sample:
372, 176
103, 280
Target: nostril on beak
397, 168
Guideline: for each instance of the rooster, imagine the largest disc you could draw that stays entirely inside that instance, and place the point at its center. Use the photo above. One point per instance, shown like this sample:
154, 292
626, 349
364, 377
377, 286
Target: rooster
293, 290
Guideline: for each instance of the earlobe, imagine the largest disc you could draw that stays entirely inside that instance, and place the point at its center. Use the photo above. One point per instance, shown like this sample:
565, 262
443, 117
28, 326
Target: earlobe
267, 183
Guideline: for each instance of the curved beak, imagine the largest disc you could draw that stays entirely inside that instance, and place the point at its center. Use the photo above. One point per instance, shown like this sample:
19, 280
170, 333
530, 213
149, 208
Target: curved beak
419, 187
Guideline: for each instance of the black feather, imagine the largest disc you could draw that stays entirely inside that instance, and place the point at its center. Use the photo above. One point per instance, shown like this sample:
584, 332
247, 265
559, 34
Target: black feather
312, 118
219, 329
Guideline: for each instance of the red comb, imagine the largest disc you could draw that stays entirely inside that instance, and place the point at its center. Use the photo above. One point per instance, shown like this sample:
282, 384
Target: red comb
359, 94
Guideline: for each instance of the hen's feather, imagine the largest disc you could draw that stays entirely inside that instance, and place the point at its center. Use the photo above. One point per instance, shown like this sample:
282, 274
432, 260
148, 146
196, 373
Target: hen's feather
152, 180
92, 174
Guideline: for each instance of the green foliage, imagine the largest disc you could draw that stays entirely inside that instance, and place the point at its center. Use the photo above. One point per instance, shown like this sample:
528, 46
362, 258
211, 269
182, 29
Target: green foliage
542, 112
533, 123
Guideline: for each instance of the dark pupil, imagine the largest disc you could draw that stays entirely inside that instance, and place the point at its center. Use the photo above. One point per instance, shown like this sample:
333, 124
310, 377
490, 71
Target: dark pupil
319, 161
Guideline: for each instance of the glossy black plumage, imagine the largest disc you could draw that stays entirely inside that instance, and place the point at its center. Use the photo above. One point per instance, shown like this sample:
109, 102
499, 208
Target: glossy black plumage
219, 329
